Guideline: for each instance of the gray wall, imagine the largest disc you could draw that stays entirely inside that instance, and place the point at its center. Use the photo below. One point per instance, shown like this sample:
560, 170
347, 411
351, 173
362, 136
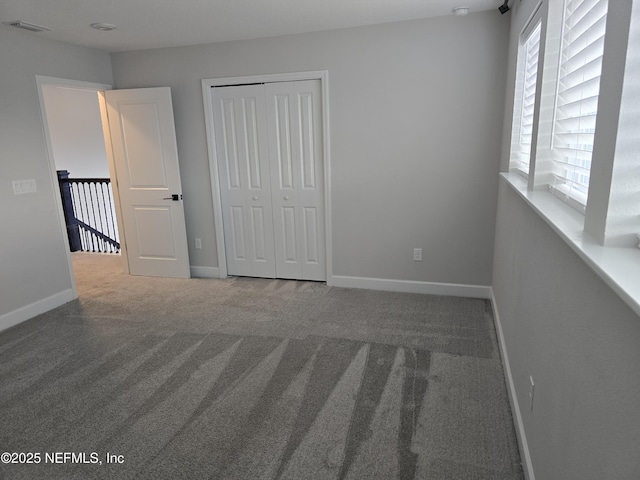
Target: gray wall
565, 327
32, 258
415, 113
75, 129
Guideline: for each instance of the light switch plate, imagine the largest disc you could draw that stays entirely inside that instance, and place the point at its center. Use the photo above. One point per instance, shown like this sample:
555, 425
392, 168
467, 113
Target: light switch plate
24, 186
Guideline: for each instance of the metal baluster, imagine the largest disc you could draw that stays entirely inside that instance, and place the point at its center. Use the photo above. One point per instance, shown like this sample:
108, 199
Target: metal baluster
88, 217
105, 230
100, 205
85, 240
94, 223
77, 207
107, 215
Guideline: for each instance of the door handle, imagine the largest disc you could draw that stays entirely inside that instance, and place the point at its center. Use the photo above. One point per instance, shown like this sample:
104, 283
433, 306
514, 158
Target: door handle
286, 197
254, 198
175, 197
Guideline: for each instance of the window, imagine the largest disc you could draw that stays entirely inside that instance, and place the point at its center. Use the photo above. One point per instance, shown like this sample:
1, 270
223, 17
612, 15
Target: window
526, 95
576, 106
532, 50
566, 134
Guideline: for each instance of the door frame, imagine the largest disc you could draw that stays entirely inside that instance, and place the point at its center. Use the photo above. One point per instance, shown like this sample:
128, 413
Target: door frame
207, 98
41, 81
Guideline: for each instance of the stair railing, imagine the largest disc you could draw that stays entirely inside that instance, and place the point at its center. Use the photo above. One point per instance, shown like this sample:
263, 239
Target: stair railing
89, 212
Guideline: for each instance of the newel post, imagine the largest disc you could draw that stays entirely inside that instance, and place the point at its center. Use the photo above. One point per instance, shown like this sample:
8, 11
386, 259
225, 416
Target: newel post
69, 215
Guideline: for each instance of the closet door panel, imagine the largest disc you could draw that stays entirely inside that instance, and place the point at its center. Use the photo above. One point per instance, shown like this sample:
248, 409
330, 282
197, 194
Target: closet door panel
240, 125
295, 151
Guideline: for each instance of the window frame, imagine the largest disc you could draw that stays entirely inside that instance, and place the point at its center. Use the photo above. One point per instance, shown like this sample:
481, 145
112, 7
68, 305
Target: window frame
565, 159
606, 235
516, 162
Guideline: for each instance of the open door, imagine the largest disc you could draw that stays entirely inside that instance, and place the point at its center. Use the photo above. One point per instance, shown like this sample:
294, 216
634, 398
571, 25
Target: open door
147, 180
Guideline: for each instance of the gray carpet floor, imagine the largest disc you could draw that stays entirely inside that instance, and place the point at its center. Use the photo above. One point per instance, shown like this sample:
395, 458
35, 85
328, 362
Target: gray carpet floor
248, 378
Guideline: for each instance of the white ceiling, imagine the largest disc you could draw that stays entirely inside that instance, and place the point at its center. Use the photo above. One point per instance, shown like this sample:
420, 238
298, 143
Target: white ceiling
146, 24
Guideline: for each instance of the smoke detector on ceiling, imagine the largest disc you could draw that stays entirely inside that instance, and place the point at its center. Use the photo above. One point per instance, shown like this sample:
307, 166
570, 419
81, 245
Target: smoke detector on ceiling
103, 27
32, 27
460, 11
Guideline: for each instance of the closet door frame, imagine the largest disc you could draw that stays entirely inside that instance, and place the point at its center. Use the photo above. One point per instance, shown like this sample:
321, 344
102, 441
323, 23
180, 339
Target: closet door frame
207, 96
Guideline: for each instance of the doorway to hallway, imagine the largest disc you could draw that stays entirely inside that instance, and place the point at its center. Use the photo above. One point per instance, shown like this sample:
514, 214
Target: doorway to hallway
77, 146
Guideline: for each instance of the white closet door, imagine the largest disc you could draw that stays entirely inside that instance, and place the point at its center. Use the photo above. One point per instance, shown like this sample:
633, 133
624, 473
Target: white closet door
295, 152
240, 126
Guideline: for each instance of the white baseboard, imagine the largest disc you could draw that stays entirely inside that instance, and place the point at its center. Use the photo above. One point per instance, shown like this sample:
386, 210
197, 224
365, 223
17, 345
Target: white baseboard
411, 286
205, 272
36, 308
525, 456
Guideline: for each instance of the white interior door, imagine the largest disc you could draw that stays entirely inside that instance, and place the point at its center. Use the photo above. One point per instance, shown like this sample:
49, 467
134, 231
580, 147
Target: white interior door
145, 158
295, 150
271, 179
241, 132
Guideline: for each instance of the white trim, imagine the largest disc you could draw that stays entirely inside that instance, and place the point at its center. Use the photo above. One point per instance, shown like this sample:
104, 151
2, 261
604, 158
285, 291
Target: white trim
60, 82
618, 267
65, 82
22, 314
113, 174
523, 446
266, 78
412, 286
328, 230
204, 272
207, 97
532, 22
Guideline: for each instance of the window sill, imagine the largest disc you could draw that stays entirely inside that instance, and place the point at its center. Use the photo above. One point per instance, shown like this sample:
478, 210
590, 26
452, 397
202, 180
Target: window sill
618, 267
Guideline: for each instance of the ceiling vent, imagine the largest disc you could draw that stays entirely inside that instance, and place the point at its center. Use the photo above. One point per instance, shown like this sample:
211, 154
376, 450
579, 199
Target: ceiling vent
32, 27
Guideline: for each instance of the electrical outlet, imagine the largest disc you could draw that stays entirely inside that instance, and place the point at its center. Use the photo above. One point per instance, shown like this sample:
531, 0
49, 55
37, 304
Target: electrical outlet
532, 387
198, 243
417, 254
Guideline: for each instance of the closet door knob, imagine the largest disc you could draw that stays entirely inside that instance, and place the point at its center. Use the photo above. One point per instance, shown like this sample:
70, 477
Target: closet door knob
255, 198
286, 197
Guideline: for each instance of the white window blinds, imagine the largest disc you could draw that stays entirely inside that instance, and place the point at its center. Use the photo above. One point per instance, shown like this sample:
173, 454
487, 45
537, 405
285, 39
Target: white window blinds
577, 98
531, 50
